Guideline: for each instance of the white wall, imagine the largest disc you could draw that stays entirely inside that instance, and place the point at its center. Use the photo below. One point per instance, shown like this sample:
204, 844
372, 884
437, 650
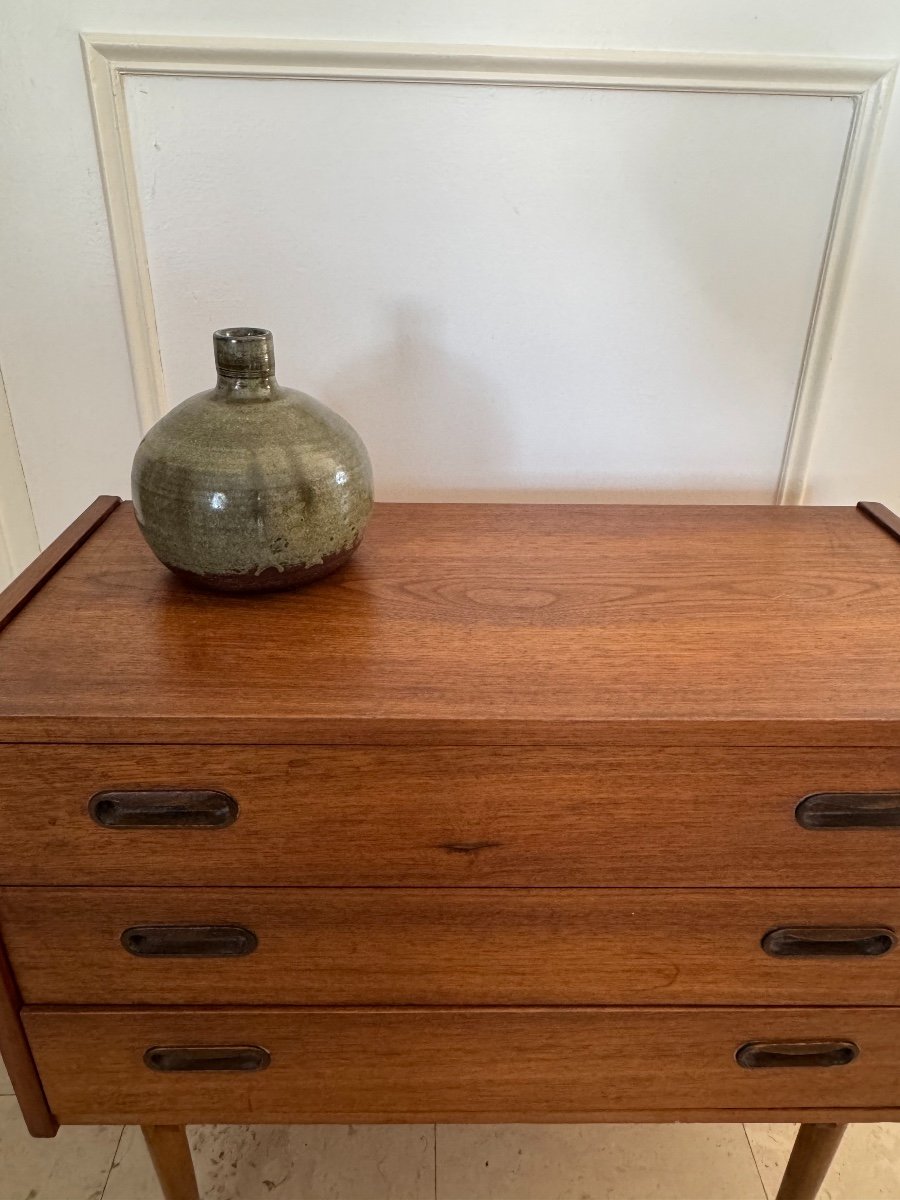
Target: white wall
511, 292
636, 326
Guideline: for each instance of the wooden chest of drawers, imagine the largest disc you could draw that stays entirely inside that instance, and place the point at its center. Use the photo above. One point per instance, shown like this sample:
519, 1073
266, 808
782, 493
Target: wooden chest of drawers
530, 813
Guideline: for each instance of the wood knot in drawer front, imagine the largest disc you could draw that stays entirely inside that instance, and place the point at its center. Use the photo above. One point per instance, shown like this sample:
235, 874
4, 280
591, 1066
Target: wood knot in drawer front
469, 848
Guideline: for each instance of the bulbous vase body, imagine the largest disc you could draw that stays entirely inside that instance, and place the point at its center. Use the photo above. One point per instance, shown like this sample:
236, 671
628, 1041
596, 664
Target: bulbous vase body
251, 486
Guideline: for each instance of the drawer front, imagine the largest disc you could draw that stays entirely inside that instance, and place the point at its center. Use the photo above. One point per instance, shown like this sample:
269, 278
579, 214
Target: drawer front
457, 817
452, 946
153, 1065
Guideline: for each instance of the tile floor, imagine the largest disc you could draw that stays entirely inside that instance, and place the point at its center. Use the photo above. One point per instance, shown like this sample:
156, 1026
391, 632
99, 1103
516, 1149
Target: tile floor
444, 1162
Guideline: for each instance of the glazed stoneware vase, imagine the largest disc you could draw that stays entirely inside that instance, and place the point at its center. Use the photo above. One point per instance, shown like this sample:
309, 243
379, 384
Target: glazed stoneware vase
251, 486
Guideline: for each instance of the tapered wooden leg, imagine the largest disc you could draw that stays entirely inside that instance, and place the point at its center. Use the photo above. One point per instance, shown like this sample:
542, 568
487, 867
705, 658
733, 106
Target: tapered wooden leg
171, 1154
810, 1159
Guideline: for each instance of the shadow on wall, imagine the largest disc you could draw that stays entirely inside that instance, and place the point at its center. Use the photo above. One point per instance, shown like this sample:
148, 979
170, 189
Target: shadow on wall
422, 409
439, 451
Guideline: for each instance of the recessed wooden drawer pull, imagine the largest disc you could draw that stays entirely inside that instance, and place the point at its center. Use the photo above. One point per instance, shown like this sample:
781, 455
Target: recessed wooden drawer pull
163, 809
797, 1054
850, 810
189, 941
207, 1058
828, 942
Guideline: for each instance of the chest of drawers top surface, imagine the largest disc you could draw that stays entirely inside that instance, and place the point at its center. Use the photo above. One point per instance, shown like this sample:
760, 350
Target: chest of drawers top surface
483, 624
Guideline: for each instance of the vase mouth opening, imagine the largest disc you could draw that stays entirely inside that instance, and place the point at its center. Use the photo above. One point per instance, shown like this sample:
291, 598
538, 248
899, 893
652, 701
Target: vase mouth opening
244, 352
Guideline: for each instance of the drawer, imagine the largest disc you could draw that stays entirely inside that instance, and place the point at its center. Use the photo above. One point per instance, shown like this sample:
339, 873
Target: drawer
448, 817
457, 1064
451, 946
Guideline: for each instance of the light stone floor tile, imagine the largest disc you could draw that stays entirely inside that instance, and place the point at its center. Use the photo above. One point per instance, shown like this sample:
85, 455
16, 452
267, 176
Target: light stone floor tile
595, 1162
72, 1166
866, 1166
290, 1162
503, 1162
5, 1085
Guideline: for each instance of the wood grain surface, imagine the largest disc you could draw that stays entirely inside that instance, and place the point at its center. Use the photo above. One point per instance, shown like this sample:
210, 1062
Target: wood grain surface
17, 1058
811, 1156
28, 583
881, 515
537, 946
454, 816
484, 624
170, 1153
437, 1064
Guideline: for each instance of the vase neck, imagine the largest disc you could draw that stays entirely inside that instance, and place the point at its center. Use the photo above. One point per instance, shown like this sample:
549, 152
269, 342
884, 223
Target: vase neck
245, 364
256, 388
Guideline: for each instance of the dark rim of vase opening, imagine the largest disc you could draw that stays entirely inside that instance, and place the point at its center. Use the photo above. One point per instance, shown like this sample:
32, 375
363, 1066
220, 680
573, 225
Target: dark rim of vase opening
244, 352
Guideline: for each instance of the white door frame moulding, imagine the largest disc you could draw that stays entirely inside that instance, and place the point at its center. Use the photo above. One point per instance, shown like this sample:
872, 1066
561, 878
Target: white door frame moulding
18, 534
110, 57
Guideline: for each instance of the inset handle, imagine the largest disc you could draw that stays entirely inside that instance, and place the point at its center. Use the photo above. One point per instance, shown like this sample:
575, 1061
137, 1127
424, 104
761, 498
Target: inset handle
189, 941
849, 810
163, 809
796, 1054
207, 1058
827, 942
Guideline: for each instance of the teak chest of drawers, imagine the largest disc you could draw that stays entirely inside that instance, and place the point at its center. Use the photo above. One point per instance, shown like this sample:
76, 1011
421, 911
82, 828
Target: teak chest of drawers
529, 813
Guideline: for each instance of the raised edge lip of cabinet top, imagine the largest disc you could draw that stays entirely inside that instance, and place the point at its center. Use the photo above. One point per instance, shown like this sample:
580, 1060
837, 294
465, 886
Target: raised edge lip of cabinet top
481, 624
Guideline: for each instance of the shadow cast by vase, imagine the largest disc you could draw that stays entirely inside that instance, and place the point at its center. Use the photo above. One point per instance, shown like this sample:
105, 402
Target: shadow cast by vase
432, 421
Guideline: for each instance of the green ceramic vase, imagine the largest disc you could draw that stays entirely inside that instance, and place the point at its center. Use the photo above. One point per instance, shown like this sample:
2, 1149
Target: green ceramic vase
251, 486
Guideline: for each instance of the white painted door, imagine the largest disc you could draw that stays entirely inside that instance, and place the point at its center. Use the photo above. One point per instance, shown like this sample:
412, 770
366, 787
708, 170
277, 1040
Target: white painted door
658, 263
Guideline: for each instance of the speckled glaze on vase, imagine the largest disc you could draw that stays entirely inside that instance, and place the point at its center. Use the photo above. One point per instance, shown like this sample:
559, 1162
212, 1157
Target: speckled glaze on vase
251, 486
